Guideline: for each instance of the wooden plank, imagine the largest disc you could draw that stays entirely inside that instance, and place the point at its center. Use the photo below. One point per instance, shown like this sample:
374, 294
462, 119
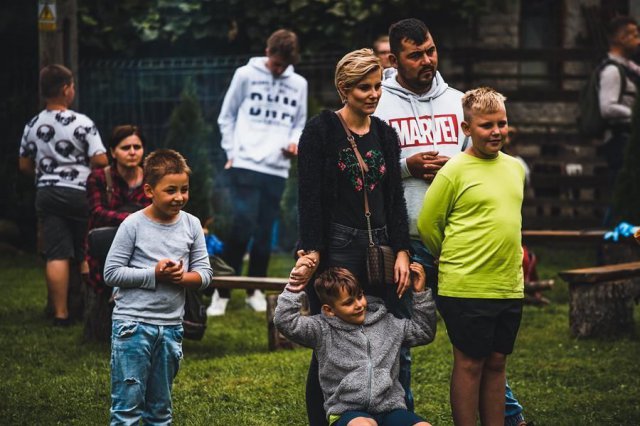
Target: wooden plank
542, 221
601, 273
567, 181
565, 236
252, 283
574, 204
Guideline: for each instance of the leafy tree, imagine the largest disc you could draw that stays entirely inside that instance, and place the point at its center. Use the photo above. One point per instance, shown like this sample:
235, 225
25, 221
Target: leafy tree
191, 136
134, 27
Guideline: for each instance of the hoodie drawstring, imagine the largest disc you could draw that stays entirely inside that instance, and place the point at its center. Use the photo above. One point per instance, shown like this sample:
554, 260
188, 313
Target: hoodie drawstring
414, 108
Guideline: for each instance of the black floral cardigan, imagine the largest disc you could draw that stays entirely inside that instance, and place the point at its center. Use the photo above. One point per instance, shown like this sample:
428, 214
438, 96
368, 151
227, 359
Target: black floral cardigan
318, 176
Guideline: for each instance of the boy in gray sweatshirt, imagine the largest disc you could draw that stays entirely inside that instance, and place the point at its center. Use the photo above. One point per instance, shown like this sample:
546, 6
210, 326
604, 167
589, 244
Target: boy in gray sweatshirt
357, 343
157, 253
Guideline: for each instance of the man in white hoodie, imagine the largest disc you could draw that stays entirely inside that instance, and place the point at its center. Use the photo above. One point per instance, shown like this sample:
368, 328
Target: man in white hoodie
262, 117
427, 115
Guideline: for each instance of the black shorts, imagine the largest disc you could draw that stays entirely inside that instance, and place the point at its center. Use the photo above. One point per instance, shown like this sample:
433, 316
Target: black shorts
478, 327
63, 214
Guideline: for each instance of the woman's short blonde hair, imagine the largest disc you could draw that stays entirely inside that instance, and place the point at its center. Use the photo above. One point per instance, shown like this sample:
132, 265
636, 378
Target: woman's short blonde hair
353, 67
483, 100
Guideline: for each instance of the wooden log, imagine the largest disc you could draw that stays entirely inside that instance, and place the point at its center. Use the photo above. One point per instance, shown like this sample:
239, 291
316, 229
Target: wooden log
276, 339
536, 300
537, 286
253, 283
563, 236
601, 309
602, 273
97, 315
601, 299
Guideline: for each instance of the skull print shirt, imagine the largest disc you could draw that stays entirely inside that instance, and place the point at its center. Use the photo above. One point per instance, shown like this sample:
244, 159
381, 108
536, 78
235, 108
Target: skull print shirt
61, 143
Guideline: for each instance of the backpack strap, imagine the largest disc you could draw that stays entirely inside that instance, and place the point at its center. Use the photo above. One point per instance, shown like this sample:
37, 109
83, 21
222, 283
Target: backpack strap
109, 181
623, 74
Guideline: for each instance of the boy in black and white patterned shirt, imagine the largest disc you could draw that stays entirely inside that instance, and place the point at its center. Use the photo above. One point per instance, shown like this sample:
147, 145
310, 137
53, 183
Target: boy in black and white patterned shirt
59, 146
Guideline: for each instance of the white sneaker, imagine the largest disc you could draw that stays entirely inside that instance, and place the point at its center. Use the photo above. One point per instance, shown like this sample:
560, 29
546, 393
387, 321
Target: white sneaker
218, 305
257, 301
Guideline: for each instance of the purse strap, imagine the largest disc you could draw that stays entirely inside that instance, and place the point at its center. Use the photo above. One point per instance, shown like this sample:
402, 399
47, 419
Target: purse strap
363, 168
109, 181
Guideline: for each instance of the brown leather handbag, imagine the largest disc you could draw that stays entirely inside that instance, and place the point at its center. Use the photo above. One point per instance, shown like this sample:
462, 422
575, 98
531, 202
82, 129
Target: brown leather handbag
380, 258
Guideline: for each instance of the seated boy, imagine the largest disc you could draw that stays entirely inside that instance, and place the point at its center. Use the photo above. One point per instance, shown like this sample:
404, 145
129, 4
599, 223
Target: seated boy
157, 253
358, 345
471, 220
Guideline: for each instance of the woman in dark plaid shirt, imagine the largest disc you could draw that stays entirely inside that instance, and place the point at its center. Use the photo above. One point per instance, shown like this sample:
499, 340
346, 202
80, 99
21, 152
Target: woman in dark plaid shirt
109, 204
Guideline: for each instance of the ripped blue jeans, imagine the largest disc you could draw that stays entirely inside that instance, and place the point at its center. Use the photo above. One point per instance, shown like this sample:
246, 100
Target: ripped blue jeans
144, 361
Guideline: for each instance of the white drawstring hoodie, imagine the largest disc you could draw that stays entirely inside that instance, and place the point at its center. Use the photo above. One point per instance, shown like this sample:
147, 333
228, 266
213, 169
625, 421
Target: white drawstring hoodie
262, 114
427, 122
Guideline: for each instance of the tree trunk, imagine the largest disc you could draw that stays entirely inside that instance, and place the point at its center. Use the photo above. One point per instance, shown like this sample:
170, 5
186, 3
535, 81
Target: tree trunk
60, 46
601, 309
97, 315
276, 339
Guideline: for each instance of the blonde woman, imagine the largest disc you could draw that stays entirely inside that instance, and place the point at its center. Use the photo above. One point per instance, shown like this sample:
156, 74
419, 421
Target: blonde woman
333, 226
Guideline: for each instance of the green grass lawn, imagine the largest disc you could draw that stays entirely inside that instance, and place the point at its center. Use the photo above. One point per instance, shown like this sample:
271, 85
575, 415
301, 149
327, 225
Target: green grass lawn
49, 376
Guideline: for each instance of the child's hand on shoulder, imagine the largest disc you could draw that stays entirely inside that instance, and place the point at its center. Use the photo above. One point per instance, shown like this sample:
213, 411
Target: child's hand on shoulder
418, 277
170, 271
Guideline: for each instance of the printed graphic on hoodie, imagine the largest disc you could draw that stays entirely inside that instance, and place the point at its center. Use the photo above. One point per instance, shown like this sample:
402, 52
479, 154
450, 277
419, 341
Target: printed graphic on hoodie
427, 130
278, 109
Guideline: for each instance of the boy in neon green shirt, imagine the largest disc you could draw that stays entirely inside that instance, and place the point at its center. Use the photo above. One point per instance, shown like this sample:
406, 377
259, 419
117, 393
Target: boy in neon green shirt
471, 219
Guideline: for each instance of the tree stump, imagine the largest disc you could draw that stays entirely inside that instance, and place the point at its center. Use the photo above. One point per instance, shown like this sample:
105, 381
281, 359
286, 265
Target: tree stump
97, 317
276, 339
601, 299
601, 309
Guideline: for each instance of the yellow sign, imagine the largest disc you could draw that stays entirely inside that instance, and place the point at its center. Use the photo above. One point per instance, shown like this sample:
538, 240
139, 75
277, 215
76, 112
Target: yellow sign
47, 15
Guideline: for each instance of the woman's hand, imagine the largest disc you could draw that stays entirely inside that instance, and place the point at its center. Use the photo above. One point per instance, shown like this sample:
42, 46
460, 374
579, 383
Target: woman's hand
401, 272
312, 256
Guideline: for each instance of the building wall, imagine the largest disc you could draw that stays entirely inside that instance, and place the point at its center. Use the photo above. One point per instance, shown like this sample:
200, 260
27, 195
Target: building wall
501, 30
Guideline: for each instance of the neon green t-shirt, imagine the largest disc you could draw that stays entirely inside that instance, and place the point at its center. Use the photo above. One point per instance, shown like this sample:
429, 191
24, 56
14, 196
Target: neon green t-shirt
471, 219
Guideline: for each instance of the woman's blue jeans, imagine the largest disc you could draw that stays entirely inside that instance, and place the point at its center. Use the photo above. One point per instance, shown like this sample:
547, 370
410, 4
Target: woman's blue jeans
347, 249
144, 361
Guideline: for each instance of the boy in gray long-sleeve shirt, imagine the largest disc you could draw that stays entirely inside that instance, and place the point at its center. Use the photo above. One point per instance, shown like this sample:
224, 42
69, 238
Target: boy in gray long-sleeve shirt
157, 253
357, 343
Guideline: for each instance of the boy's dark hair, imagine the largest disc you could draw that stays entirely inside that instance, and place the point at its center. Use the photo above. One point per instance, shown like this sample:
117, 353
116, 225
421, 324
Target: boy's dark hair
411, 29
162, 162
122, 132
329, 283
617, 24
53, 78
284, 43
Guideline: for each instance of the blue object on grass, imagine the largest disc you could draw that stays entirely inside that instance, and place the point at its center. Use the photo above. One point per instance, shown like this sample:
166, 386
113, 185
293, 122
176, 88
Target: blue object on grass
214, 245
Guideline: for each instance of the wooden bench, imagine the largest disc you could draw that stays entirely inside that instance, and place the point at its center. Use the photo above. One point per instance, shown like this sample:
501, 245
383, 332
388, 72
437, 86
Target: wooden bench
595, 237
250, 283
602, 298
272, 287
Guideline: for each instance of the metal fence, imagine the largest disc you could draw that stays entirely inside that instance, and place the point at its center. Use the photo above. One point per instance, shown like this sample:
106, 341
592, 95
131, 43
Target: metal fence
145, 91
